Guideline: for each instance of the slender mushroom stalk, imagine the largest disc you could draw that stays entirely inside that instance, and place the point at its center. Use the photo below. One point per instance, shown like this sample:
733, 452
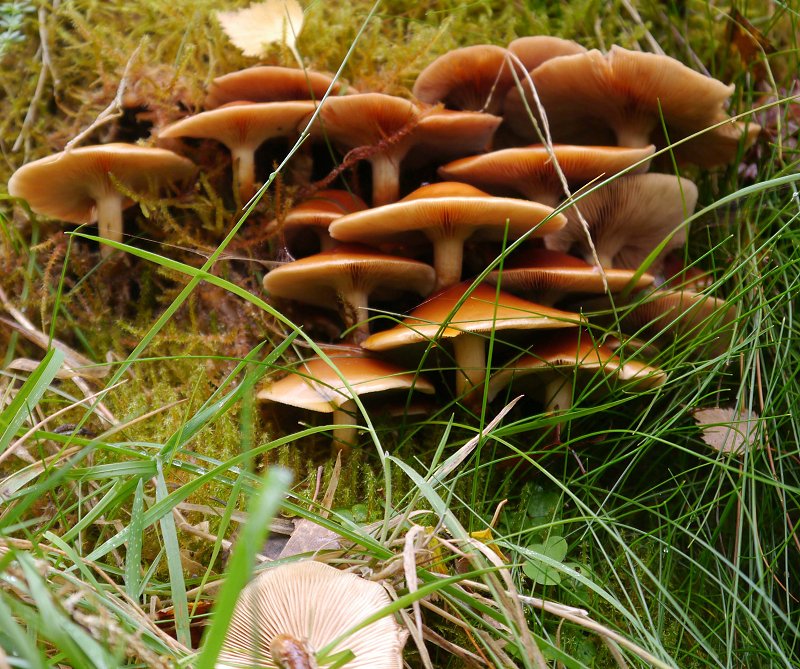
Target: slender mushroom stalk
345, 418
109, 219
469, 351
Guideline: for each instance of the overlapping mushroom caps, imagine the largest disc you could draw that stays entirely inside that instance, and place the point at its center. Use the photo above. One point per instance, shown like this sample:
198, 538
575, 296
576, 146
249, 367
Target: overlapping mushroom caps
557, 360
80, 185
344, 277
243, 128
447, 214
628, 218
547, 276
533, 50
468, 316
287, 614
385, 128
592, 97
531, 170
315, 385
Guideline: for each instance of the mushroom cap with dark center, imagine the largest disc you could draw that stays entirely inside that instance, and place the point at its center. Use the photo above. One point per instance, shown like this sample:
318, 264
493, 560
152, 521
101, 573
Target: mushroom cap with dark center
485, 309
534, 50
546, 271
325, 278
68, 185
267, 83
241, 125
315, 385
473, 78
310, 604
570, 352
443, 210
530, 170
625, 91
628, 218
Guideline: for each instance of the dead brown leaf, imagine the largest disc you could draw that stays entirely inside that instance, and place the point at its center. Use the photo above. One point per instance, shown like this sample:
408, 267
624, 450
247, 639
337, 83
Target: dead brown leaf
728, 430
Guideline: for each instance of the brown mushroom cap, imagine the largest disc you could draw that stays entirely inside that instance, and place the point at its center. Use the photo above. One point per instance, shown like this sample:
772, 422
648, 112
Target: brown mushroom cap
551, 274
530, 170
319, 211
474, 78
484, 310
447, 214
243, 128
626, 92
628, 218
306, 606
534, 50
348, 274
78, 185
316, 386
557, 357
267, 83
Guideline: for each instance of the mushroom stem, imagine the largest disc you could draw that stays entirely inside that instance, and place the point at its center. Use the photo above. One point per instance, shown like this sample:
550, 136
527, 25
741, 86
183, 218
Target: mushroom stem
344, 418
470, 355
356, 316
385, 179
245, 165
558, 395
109, 219
634, 132
448, 256
549, 195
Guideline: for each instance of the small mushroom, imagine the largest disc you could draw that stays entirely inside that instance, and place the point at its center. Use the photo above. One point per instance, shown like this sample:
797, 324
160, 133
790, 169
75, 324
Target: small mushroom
79, 185
556, 361
628, 218
344, 277
530, 170
483, 310
534, 50
243, 128
316, 386
447, 214
288, 613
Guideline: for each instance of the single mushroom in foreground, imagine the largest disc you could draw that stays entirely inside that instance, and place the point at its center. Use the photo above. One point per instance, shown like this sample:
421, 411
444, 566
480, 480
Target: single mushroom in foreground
315, 385
80, 185
287, 614
469, 317
243, 128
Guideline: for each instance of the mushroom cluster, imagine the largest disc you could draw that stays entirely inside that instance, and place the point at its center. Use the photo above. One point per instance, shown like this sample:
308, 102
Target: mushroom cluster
453, 181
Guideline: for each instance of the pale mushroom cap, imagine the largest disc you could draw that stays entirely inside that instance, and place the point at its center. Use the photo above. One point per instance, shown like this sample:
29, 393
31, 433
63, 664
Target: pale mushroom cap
483, 310
473, 78
680, 311
445, 132
628, 218
447, 210
536, 49
574, 351
618, 90
245, 125
320, 279
313, 603
269, 84
314, 385
530, 169
67, 185
544, 270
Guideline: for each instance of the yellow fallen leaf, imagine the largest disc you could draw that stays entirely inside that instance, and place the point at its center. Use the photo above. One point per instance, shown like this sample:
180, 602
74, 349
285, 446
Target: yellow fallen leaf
254, 28
728, 430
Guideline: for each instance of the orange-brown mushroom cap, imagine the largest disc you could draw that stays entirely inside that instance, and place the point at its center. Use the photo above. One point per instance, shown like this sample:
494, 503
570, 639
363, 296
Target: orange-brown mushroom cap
473, 78
531, 171
267, 83
447, 214
534, 50
78, 185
